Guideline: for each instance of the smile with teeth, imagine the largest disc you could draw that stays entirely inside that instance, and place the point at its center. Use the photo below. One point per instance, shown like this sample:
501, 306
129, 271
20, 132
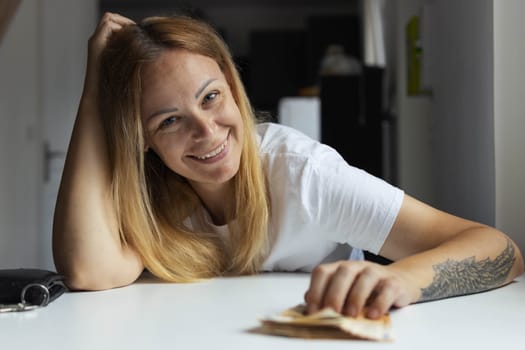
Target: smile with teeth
215, 152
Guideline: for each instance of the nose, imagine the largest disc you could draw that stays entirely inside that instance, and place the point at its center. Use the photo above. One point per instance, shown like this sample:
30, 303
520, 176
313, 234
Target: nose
202, 127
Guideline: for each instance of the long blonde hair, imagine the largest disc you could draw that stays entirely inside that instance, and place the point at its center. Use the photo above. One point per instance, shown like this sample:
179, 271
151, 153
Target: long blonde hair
151, 201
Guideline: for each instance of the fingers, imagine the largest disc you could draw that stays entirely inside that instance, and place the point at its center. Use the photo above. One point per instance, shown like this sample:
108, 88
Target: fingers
109, 23
385, 297
342, 280
319, 281
115, 17
352, 287
361, 291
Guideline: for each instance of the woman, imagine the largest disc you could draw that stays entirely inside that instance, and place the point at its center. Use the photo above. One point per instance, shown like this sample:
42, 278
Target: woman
166, 170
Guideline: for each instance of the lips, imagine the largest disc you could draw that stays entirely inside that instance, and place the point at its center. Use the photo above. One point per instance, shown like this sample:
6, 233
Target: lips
215, 153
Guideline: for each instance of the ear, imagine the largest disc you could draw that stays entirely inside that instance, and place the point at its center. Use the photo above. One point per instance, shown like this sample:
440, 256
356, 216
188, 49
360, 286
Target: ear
146, 147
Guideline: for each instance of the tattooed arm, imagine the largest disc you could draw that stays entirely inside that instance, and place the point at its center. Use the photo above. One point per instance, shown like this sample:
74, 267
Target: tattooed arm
469, 275
448, 256
436, 255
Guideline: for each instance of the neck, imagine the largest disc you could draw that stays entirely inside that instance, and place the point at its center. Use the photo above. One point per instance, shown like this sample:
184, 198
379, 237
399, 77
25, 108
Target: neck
217, 199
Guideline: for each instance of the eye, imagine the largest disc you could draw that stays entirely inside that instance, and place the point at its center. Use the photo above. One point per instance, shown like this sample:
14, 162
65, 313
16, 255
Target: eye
210, 97
168, 121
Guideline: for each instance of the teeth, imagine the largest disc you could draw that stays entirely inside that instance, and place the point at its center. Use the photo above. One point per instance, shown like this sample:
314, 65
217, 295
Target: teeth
214, 152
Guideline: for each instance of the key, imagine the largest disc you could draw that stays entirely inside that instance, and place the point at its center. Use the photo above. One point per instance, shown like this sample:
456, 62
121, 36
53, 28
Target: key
17, 307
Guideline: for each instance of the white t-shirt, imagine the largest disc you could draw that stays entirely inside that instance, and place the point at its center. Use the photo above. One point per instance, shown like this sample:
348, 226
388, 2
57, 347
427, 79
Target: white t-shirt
321, 206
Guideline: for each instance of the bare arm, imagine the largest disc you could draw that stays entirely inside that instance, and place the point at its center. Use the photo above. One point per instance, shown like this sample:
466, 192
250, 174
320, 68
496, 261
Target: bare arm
461, 256
436, 255
86, 244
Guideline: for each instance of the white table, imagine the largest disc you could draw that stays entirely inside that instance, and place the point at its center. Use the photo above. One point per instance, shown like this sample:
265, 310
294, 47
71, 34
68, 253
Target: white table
218, 313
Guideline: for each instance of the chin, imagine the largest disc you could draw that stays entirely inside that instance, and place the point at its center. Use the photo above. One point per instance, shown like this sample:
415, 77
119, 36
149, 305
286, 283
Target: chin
227, 176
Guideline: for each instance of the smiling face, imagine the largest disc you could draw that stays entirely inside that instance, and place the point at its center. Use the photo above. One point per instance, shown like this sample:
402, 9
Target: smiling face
190, 118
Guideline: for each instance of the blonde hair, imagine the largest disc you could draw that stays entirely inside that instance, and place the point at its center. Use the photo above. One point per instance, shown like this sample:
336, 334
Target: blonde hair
151, 201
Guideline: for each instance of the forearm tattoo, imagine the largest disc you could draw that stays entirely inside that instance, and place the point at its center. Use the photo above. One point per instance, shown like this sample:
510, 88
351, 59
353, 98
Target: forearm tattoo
468, 276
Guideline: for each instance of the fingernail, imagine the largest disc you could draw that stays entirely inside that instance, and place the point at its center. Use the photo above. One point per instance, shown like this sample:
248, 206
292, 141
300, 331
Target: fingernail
311, 308
372, 313
352, 311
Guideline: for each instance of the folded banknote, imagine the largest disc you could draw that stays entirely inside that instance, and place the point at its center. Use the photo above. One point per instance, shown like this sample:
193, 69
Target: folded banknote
325, 324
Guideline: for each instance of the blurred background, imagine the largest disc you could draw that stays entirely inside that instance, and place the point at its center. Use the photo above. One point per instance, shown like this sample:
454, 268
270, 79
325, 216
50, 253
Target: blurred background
425, 94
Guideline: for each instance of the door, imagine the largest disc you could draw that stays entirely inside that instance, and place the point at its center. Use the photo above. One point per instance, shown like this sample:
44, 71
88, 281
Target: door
65, 28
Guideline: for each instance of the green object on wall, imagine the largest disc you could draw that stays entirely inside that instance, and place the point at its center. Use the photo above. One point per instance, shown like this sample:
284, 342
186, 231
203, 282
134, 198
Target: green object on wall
414, 57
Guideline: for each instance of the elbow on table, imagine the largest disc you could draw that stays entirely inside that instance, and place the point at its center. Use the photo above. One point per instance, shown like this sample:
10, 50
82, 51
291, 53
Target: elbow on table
78, 278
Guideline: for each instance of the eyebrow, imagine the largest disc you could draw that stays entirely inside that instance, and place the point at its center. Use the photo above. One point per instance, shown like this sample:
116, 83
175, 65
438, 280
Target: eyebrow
175, 109
162, 111
201, 89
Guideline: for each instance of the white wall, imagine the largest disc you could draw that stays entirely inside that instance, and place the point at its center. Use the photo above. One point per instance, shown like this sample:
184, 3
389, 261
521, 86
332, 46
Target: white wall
19, 139
509, 117
42, 59
446, 142
413, 113
471, 130
461, 53
63, 58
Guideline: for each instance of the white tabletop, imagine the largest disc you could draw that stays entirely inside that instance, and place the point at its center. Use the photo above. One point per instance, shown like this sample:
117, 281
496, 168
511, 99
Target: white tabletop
218, 314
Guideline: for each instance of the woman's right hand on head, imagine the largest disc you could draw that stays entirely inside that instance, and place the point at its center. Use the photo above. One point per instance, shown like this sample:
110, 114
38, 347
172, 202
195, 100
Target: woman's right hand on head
109, 24
87, 247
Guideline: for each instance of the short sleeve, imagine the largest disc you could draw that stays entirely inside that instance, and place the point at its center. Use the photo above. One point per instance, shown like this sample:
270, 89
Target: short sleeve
351, 205
319, 201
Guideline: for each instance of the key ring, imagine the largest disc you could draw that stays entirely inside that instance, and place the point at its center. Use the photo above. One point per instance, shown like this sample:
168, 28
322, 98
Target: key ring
24, 305
35, 285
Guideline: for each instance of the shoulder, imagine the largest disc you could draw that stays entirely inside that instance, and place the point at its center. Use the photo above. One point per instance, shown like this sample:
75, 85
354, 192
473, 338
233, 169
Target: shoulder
278, 141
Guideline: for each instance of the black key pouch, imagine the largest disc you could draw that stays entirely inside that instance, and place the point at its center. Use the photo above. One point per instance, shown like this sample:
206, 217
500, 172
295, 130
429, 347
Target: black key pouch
23, 289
